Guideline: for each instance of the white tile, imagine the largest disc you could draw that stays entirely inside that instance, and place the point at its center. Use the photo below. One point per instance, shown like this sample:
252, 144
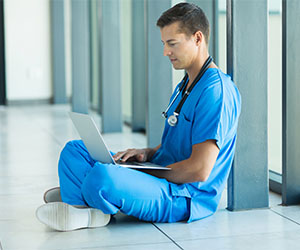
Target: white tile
30, 234
224, 223
30, 168
26, 185
274, 199
21, 206
288, 240
158, 246
291, 212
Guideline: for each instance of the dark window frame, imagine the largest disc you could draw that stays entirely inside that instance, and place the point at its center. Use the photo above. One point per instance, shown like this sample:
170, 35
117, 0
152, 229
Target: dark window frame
2, 57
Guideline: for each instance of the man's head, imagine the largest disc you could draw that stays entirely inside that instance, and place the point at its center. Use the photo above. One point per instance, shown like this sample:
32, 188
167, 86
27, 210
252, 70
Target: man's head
184, 32
190, 18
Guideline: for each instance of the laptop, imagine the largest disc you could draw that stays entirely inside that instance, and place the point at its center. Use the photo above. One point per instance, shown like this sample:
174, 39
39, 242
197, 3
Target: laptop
96, 146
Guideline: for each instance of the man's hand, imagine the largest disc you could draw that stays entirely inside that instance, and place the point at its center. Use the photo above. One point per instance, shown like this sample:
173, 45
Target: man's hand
132, 154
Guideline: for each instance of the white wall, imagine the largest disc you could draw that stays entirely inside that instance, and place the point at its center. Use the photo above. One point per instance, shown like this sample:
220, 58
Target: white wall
28, 51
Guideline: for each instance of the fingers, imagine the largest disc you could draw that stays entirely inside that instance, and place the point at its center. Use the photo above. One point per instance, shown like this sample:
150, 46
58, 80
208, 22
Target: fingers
130, 154
141, 157
119, 155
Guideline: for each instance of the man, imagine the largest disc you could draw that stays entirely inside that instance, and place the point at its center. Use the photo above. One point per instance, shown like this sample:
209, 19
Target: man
198, 145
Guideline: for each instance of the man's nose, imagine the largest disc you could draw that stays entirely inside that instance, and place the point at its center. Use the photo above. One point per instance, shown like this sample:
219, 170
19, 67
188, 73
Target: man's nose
167, 52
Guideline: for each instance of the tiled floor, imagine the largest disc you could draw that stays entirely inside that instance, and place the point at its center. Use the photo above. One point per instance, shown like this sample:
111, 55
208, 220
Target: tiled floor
30, 141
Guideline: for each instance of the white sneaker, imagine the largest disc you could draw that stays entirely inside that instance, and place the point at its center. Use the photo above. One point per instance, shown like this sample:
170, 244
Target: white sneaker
64, 217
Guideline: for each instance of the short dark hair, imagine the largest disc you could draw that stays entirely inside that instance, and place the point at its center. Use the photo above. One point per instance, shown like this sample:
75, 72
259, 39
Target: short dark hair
191, 18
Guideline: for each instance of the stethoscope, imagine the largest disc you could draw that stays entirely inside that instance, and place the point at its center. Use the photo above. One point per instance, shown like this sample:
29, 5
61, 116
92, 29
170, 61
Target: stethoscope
173, 119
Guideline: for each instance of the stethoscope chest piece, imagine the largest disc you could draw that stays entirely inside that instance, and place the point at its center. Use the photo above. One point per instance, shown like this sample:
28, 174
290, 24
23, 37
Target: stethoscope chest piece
172, 120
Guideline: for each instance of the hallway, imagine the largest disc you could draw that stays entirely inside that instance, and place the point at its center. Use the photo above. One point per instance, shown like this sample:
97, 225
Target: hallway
31, 138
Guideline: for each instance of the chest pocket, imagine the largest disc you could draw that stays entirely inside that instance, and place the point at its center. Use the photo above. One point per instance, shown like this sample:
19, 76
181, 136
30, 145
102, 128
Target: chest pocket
180, 138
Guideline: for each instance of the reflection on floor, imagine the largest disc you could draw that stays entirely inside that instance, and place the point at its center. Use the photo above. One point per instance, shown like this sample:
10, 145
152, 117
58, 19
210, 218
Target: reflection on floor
30, 141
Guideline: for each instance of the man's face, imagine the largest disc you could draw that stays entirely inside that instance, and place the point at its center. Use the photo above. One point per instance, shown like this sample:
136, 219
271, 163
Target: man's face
181, 49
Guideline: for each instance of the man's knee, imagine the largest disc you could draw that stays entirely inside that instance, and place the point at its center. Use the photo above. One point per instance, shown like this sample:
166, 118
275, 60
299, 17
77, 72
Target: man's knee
98, 188
65, 154
74, 160
97, 179
71, 145
71, 149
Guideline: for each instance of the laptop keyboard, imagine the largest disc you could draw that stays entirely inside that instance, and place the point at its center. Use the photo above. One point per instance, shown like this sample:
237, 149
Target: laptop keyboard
132, 163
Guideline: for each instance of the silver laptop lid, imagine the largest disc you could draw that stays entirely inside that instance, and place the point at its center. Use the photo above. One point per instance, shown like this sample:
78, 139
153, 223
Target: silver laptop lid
96, 146
91, 137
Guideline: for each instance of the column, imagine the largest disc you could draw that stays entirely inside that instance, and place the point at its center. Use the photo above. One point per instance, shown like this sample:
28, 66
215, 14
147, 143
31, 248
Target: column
58, 51
2, 57
247, 62
291, 103
138, 66
80, 55
159, 73
110, 78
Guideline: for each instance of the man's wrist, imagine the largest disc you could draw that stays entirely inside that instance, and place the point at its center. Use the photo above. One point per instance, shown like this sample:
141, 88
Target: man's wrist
149, 152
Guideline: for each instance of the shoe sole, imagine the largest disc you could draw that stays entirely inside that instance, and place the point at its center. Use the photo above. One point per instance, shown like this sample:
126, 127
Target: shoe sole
64, 217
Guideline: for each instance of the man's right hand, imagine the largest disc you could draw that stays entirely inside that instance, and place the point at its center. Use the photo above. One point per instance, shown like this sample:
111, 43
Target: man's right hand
133, 154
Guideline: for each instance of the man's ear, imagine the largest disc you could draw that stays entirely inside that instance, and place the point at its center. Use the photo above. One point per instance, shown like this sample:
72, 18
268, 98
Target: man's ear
199, 37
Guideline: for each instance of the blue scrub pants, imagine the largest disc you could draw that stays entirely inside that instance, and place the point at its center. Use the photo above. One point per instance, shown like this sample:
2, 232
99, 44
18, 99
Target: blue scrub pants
111, 188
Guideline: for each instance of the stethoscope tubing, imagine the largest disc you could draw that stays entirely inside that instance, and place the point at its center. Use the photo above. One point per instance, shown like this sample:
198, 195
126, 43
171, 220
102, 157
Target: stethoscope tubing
183, 82
164, 114
172, 120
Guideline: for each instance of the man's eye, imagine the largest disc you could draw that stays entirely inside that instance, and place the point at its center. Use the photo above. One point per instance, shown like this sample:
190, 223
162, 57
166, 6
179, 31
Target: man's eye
172, 44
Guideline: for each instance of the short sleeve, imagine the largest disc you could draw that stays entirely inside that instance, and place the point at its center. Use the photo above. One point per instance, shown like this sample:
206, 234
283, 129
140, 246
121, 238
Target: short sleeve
208, 114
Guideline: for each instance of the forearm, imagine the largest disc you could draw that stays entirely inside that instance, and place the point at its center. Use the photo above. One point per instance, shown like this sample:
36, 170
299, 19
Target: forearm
181, 172
196, 168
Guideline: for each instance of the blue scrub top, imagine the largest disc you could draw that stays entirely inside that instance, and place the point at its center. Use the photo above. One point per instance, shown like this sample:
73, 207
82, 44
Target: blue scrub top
211, 111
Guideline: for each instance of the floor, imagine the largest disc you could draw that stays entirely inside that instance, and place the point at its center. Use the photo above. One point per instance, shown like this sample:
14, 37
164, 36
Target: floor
30, 141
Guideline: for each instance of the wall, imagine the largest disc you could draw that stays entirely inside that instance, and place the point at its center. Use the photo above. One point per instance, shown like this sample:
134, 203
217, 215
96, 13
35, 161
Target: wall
28, 51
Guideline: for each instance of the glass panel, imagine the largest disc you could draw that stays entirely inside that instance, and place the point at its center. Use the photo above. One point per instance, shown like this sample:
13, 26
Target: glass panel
67, 5
126, 59
222, 35
177, 75
95, 66
275, 87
